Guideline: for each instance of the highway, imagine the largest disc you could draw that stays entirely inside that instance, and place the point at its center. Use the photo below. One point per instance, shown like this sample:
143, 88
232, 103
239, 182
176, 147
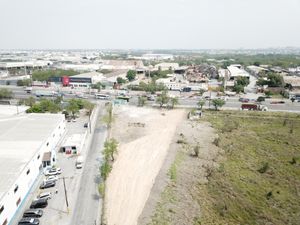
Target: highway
231, 103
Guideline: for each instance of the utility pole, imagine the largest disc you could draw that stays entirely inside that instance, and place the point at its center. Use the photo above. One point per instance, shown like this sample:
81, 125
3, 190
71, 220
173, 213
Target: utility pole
90, 125
66, 196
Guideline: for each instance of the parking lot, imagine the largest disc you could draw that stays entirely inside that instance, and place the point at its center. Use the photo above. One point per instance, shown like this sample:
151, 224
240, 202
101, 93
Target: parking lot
57, 211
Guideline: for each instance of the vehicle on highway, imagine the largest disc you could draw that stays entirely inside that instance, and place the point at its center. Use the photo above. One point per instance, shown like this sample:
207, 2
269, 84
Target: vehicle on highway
29, 221
79, 162
33, 213
102, 96
49, 184
257, 107
41, 203
244, 99
277, 102
46, 93
51, 178
46, 195
28, 90
260, 99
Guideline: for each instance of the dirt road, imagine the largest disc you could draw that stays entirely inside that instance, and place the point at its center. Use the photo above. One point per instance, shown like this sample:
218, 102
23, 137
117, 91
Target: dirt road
144, 135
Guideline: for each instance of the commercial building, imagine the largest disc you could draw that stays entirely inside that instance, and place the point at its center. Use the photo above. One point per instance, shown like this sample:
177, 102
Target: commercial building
27, 144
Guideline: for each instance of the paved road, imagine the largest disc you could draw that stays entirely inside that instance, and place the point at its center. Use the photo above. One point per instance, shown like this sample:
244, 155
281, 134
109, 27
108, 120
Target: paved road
88, 204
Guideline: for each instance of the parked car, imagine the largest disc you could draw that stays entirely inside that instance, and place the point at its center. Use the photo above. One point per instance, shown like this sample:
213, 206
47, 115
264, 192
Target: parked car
56, 170
49, 184
51, 178
50, 173
46, 195
29, 221
33, 213
260, 99
41, 203
86, 125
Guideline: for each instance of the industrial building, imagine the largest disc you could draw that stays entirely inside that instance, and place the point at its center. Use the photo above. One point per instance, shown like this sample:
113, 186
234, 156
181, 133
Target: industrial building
27, 145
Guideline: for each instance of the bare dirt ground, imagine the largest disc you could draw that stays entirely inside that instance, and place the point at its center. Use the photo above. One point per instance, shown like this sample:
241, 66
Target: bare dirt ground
172, 199
144, 135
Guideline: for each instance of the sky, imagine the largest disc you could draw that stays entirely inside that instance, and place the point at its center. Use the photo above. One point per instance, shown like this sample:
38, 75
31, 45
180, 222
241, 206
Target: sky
149, 24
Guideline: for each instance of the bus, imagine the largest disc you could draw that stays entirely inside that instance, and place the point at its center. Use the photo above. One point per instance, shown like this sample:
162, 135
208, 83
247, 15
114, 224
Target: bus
102, 96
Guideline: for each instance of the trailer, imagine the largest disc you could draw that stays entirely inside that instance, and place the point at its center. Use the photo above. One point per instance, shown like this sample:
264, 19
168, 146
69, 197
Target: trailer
46, 93
254, 107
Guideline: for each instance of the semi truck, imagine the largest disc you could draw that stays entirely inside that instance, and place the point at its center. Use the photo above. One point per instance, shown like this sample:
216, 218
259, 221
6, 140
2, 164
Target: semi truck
46, 93
253, 106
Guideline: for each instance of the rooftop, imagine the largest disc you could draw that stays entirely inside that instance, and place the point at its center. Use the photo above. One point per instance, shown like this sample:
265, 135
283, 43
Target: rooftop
20, 138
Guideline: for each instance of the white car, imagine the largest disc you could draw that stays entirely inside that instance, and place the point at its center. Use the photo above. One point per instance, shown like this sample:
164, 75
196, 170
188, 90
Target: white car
51, 178
55, 169
44, 195
50, 173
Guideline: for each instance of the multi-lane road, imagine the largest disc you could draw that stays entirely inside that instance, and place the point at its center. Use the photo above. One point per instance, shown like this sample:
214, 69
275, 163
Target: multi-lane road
231, 103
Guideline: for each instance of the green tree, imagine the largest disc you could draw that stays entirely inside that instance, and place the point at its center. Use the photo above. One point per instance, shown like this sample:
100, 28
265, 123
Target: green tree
201, 103
120, 80
25, 82
218, 103
174, 101
5, 93
131, 74
98, 86
141, 101
243, 81
238, 88
110, 149
163, 99
105, 169
275, 80
73, 107
30, 101
108, 118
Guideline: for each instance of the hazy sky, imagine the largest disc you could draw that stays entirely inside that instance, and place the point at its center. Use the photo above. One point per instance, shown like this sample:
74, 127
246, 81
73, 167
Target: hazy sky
146, 24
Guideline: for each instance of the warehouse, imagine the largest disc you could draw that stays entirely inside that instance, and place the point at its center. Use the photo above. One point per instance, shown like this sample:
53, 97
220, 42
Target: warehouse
25, 141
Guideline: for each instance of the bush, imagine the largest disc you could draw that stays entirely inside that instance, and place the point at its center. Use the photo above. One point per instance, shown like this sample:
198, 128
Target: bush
264, 168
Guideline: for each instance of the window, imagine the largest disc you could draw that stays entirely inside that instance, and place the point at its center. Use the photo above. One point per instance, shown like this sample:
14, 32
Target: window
28, 171
47, 143
1, 209
5, 222
38, 156
18, 202
16, 188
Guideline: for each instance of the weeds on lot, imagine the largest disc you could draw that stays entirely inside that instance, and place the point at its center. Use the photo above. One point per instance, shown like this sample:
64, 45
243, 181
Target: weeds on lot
260, 177
173, 169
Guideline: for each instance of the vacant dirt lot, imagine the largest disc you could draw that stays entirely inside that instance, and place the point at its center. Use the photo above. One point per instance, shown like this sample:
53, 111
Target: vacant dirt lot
144, 135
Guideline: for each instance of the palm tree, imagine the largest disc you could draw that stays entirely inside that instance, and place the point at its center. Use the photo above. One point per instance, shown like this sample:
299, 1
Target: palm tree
174, 101
201, 103
110, 149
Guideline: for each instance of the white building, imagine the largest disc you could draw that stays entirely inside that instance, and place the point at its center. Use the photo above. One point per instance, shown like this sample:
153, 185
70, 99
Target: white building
25, 140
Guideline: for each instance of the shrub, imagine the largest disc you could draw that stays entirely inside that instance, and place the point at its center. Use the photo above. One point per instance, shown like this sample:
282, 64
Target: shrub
264, 168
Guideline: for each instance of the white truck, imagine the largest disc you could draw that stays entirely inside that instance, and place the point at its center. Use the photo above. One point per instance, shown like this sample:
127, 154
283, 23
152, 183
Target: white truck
46, 93
79, 162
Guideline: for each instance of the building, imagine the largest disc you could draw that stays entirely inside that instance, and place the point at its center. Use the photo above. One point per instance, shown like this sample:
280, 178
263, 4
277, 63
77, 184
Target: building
166, 66
294, 81
122, 64
232, 73
25, 141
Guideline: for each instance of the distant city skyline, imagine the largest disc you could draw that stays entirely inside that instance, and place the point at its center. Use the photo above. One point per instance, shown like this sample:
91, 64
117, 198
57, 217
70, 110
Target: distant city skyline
149, 24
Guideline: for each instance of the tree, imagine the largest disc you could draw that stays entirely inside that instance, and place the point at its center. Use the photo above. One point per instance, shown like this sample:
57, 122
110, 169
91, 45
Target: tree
141, 101
30, 101
105, 169
244, 81
98, 86
162, 99
108, 118
275, 80
218, 103
73, 107
201, 103
110, 149
238, 88
174, 101
131, 74
25, 82
120, 80
5, 93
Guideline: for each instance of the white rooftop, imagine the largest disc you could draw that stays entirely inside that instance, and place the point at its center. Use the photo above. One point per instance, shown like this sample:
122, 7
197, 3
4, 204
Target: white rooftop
21, 137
